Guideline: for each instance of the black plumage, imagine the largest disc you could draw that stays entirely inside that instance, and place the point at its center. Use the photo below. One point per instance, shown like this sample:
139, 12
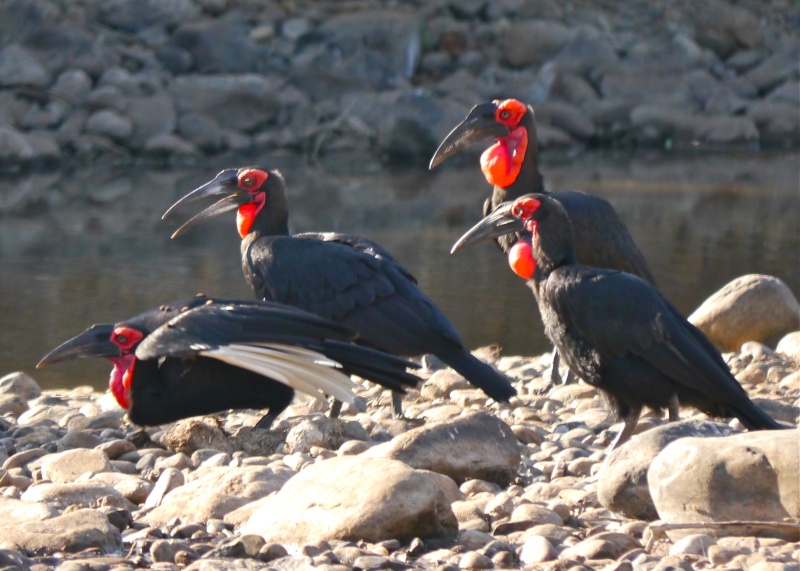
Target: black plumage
205, 355
614, 330
342, 277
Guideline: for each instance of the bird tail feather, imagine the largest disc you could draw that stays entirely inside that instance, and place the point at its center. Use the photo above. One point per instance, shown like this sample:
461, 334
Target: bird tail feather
387, 370
480, 374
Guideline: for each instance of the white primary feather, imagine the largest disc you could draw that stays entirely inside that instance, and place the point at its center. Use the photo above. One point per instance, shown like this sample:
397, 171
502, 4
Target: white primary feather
302, 369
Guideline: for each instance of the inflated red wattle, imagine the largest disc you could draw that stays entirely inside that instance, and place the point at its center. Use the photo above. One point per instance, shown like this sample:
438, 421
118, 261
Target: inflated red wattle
121, 378
520, 258
502, 161
245, 217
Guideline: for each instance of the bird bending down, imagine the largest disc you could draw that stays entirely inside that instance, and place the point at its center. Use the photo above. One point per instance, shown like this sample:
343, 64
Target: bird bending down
614, 330
345, 278
204, 355
511, 166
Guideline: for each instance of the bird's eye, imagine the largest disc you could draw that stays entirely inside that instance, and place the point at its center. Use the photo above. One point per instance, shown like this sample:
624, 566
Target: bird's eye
126, 337
505, 114
251, 180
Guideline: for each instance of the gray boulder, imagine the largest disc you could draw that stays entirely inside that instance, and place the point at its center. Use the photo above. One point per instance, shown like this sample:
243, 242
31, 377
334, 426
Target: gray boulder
20, 384
723, 27
212, 492
81, 494
745, 477
776, 69
136, 15
778, 122
220, 46
355, 498
531, 43
66, 466
109, 124
622, 482
243, 102
750, 308
151, 115
372, 50
14, 146
474, 446
19, 66
72, 532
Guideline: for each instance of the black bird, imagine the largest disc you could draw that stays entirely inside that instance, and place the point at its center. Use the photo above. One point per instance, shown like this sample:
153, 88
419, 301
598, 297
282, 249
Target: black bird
511, 165
204, 355
614, 330
342, 277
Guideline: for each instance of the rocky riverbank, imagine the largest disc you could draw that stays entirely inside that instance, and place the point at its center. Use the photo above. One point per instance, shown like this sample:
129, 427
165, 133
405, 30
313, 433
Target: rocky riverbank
187, 79
463, 483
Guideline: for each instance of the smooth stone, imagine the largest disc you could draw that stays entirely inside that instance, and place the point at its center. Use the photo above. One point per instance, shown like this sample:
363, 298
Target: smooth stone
745, 477
355, 498
67, 466
72, 532
622, 481
475, 445
750, 308
213, 492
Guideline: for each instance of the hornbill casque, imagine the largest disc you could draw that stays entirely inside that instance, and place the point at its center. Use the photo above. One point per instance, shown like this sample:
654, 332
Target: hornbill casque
342, 277
511, 166
614, 330
204, 355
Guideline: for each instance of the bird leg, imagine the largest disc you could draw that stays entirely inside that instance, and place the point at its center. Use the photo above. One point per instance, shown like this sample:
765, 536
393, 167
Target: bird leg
630, 418
397, 405
555, 374
336, 408
266, 421
674, 409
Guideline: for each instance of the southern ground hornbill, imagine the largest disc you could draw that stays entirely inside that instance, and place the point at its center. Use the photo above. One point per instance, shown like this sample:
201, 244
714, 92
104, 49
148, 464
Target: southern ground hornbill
342, 277
511, 166
614, 330
204, 355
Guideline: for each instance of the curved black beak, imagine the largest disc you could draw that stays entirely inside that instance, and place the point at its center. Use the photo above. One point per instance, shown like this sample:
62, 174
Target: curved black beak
225, 184
94, 342
479, 125
498, 223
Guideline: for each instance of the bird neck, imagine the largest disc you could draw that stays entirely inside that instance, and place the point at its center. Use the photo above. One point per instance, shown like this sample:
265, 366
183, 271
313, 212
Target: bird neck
552, 247
265, 219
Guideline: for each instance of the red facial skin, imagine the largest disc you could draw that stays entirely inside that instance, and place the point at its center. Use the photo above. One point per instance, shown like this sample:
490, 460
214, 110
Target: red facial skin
502, 161
119, 383
251, 181
520, 257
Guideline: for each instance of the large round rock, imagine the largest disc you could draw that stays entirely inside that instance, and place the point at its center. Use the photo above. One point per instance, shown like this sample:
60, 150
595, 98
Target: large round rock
622, 483
750, 308
745, 477
356, 498
474, 446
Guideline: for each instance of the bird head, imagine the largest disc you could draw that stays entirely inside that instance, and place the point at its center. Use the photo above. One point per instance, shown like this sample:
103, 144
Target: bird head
118, 343
509, 122
545, 231
115, 342
249, 190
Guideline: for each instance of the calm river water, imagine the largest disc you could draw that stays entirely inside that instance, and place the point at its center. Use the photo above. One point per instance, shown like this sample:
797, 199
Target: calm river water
88, 246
